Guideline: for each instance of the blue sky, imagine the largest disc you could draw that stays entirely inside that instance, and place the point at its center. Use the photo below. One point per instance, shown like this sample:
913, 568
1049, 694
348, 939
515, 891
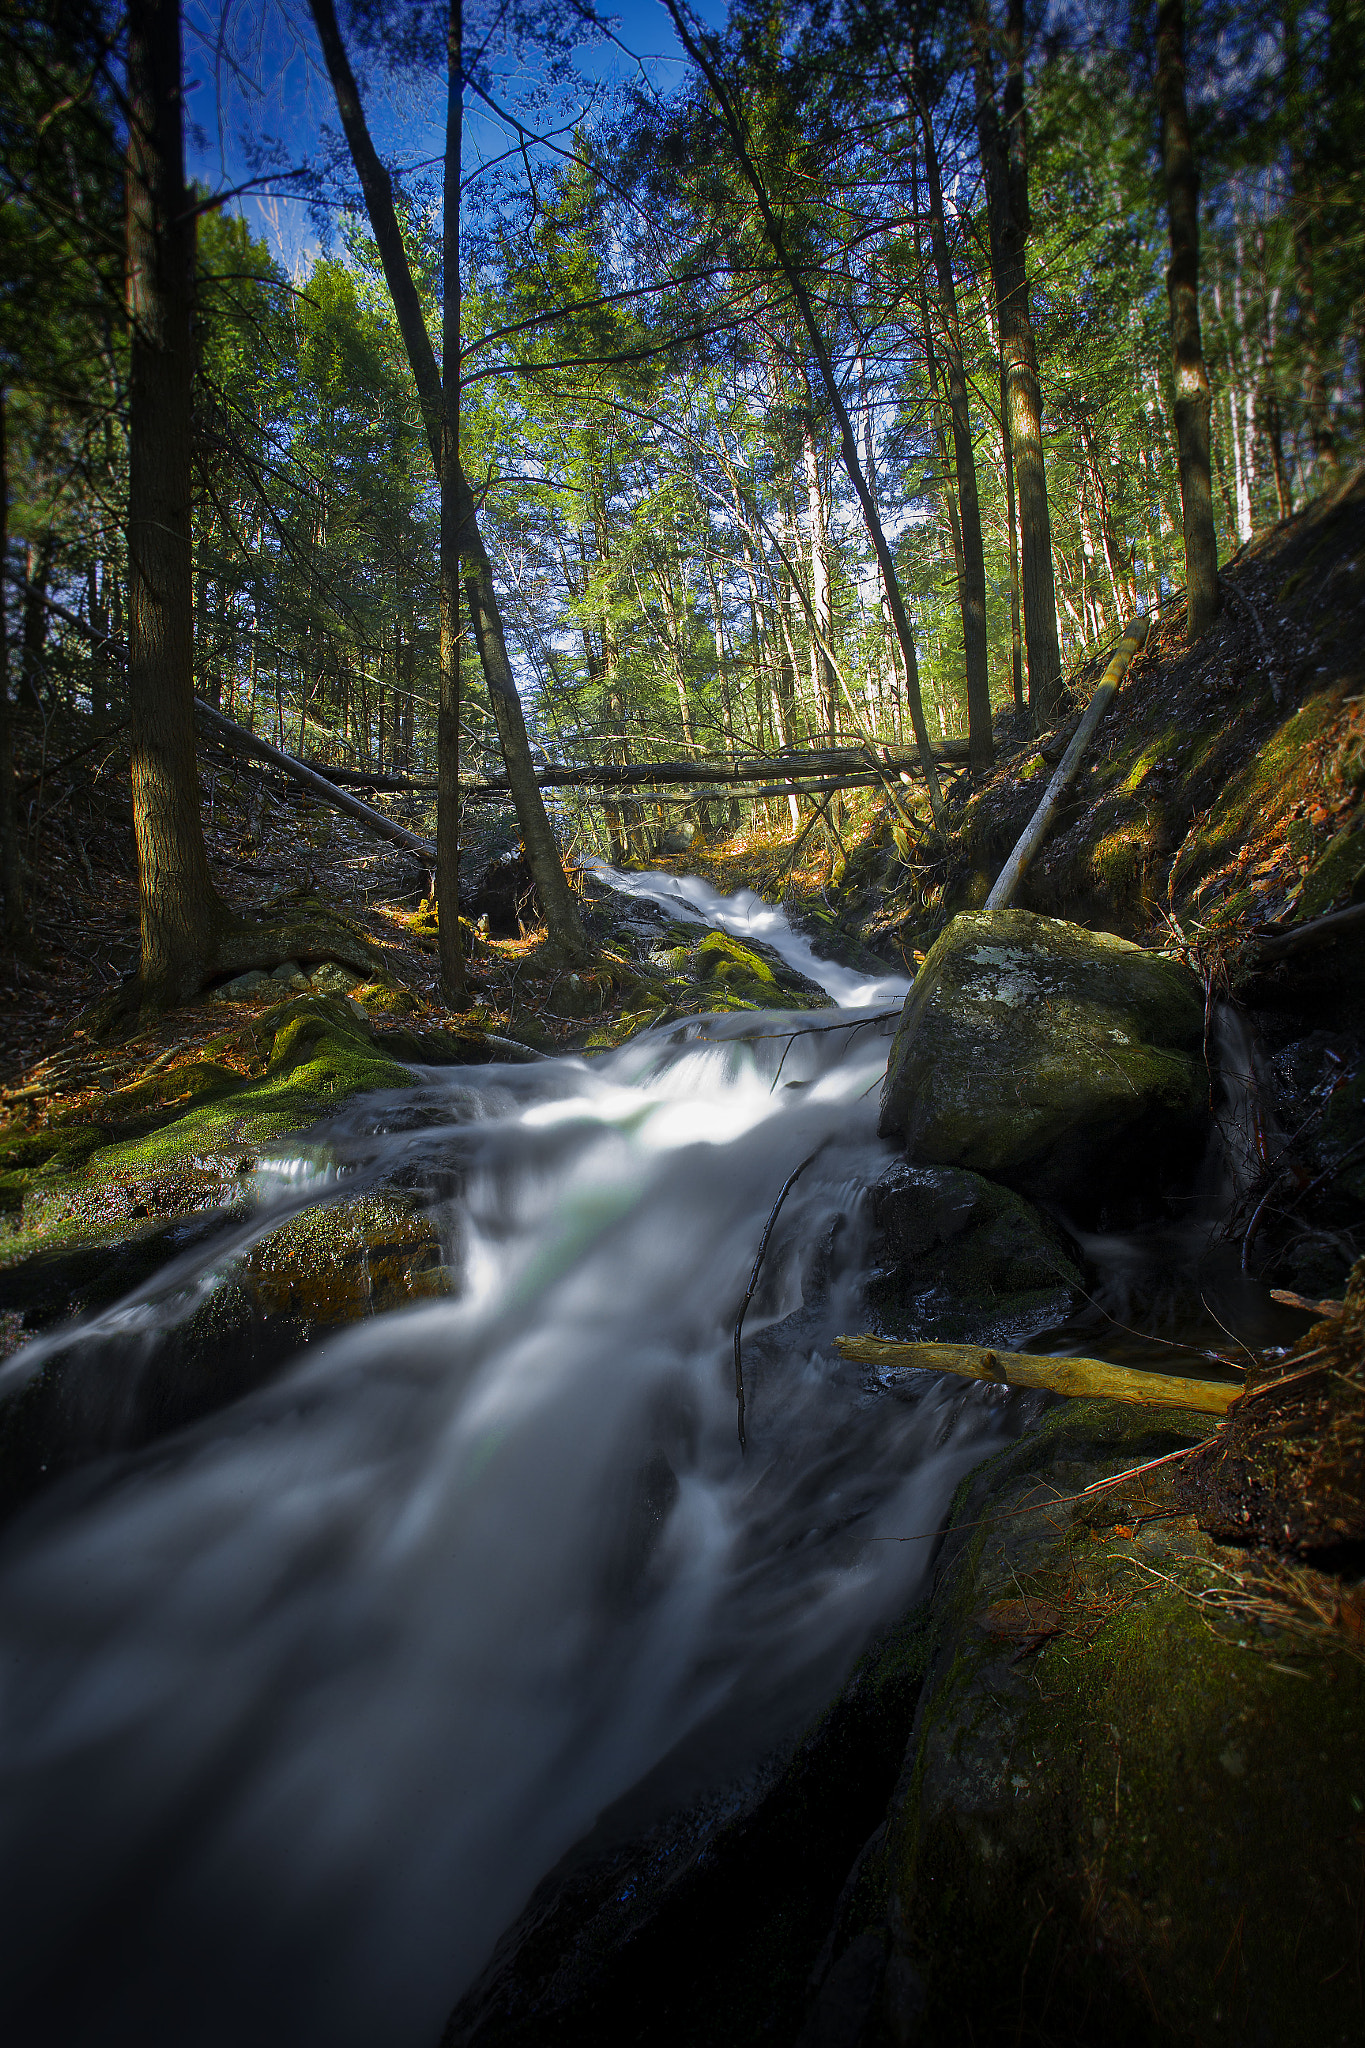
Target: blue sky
254, 68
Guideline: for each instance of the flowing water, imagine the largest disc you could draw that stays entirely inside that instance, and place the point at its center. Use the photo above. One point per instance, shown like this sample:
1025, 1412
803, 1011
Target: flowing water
299, 1703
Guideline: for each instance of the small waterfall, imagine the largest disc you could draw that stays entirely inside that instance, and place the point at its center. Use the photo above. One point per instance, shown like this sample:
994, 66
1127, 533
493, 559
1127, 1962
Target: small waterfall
300, 1702
1175, 1287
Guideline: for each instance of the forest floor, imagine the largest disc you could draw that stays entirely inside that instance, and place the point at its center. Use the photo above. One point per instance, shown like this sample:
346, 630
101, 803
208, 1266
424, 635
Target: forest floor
1221, 804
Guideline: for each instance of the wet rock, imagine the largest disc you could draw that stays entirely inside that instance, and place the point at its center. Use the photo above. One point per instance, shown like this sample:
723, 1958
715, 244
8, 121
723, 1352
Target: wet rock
706, 1927
326, 1266
754, 972
963, 1260
342, 1260
1097, 1823
1066, 1063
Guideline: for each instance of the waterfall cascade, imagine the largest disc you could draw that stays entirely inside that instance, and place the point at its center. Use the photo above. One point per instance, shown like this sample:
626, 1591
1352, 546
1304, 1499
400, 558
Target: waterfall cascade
300, 1702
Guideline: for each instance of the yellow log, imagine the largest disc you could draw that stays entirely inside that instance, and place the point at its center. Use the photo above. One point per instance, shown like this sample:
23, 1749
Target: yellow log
1083, 1376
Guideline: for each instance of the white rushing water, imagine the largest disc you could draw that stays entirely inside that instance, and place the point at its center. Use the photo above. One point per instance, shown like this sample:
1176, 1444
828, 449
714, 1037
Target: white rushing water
298, 1704
746, 916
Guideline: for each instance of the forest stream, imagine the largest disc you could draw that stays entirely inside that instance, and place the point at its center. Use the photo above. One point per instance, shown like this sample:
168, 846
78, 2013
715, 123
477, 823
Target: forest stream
301, 1702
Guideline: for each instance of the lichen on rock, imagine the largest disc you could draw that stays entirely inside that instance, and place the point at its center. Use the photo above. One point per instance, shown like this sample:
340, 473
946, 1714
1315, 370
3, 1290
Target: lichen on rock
1064, 1062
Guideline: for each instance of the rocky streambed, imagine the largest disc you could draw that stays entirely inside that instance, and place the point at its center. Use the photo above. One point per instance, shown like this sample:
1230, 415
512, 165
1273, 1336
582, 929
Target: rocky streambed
395, 1620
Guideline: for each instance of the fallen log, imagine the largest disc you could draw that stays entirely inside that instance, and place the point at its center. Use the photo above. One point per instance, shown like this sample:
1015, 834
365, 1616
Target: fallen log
237, 736
781, 769
1085, 1377
1034, 833
364, 778
1319, 931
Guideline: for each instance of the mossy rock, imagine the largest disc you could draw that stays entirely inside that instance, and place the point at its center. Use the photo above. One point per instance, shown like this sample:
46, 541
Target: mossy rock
1126, 1816
722, 958
962, 1260
383, 999
1338, 878
321, 1051
329, 1264
1067, 1064
25, 1156
754, 975
338, 1261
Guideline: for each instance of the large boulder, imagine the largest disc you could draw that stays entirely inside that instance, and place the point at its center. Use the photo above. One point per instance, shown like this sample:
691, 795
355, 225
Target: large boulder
1066, 1063
961, 1260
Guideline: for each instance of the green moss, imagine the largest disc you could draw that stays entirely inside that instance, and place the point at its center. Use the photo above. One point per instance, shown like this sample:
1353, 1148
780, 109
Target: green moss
1258, 791
386, 1000
200, 1080
1149, 1829
321, 1052
1337, 878
722, 958
1048, 1057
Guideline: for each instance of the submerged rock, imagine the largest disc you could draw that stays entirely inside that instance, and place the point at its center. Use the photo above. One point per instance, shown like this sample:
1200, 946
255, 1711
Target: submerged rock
1066, 1063
963, 1260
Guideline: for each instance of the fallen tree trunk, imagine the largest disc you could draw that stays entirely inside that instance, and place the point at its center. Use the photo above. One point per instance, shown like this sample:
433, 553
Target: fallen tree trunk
840, 768
1076, 1376
1319, 931
473, 791
780, 768
1133, 641
234, 735
398, 785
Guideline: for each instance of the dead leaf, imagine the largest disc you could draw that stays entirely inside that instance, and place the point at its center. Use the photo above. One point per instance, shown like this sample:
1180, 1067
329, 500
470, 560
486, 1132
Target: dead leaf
1351, 1613
1021, 1620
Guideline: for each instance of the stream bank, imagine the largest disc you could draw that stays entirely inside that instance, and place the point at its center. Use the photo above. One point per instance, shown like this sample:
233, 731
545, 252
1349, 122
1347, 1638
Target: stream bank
339, 1201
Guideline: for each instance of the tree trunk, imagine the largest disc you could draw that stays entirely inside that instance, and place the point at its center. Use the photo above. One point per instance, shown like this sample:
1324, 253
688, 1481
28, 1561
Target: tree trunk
848, 442
1012, 514
1004, 158
972, 582
727, 709
822, 669
451, 952
38, 567
1193, 401
542, 854
182, 914
11, 873
1320, 429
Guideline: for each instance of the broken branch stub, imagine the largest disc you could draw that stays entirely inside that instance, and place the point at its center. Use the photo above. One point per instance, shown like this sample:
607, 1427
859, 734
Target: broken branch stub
1034, 833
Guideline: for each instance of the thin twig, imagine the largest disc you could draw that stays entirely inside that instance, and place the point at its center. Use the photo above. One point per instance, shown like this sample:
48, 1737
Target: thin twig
788, 1184
1061, 1500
